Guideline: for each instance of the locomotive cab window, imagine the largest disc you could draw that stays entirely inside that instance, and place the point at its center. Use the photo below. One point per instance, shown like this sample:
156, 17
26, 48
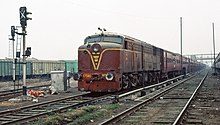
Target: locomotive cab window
100, 38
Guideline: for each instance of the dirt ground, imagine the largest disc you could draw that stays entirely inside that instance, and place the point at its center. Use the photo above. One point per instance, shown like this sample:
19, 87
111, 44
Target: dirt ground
205, 108
71, 90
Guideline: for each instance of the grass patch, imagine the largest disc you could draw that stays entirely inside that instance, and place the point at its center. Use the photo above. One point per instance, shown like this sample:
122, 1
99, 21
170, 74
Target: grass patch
79, 116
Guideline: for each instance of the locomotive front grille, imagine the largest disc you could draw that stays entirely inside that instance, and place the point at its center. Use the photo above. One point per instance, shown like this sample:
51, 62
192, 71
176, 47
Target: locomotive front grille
96, 58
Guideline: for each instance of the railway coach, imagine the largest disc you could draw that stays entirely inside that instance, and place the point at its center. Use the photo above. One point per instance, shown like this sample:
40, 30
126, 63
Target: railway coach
109, 62
36, 68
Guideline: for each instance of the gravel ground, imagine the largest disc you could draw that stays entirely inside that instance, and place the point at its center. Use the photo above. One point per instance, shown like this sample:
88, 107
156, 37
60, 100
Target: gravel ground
122, 107
205, 109
208, 103
207, 106
72, 90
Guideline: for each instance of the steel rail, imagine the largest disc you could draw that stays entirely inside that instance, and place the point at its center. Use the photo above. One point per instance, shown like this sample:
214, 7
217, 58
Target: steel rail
148, 87
180, 116
40, 104
127, 112
34, 116
6, 94
34, 111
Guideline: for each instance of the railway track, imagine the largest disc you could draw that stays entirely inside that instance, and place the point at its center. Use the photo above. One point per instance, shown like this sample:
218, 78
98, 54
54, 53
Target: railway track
7, 94
31, 112
204, 109
163, 107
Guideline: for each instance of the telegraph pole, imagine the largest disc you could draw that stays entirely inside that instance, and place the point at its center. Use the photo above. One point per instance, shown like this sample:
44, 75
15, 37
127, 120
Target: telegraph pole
181, 42
26, 53
214, 48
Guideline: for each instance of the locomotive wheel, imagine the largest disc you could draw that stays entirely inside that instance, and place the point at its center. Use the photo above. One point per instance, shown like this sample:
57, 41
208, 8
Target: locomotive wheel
140, 79
125, 82
134, 81
150, 78
157, 79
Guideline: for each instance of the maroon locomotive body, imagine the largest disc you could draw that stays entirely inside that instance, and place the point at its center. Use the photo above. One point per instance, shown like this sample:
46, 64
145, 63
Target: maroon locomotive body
109, 62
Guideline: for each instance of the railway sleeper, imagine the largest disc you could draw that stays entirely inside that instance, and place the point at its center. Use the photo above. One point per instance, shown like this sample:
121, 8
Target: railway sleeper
29, 113
194, 121
38, 110
170, 97
163, 122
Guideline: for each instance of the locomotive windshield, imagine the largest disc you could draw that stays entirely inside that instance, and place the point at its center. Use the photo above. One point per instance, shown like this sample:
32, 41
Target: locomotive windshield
93, 39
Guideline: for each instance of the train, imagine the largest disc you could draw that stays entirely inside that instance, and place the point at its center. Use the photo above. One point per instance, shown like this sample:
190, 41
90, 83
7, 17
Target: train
110, 62
35, 68
217, 64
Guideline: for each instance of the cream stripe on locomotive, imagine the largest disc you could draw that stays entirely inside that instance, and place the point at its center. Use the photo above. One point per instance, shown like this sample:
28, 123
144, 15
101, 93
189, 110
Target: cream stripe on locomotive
96, 57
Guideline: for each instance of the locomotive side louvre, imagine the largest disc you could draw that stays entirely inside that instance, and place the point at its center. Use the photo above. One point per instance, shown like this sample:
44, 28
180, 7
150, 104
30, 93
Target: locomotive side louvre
137, 57
168, 61
156, 58
147, 57
162, 63
185, 64
132, 55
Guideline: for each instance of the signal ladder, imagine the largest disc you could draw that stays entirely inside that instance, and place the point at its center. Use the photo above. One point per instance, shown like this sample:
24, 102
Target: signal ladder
10, 49
18, 46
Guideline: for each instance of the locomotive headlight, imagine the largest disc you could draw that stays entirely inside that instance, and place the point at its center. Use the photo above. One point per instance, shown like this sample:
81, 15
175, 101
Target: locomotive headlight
109, 76
95, 49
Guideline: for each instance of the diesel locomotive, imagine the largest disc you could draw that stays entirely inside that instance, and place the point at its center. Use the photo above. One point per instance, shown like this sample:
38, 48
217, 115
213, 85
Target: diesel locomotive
109, 62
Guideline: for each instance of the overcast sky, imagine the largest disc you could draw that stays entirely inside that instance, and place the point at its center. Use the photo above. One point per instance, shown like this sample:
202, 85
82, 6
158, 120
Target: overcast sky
58, 27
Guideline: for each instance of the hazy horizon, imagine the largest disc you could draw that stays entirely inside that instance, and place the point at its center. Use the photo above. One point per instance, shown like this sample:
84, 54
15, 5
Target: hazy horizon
58, 27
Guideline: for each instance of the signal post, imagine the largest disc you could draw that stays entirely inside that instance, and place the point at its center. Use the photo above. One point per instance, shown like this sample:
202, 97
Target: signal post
13, 40
26, 53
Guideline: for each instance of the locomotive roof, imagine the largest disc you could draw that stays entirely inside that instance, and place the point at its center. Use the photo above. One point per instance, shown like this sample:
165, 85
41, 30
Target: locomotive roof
117, 34
130, 38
